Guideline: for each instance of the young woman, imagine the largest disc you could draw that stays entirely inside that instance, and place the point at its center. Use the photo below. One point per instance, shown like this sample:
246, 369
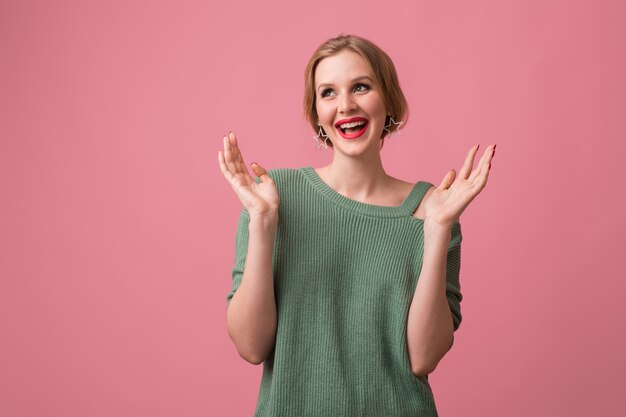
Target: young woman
346, 280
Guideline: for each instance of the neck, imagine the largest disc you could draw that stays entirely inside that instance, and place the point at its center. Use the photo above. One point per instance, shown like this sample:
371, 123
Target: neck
356, 178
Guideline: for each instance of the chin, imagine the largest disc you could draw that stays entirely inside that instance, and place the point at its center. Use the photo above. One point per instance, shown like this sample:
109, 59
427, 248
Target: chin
357, 148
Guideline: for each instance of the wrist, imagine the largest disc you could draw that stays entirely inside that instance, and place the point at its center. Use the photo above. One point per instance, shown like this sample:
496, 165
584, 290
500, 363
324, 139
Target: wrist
437, 231
438, 224
266, 220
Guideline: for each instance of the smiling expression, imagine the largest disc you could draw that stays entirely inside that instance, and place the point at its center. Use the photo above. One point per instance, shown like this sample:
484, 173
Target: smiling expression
348, 103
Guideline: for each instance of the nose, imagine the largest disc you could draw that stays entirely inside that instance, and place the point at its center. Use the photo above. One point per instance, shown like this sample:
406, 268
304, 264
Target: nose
347, 103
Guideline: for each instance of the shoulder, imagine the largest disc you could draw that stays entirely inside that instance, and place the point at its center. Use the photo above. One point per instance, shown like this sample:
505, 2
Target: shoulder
283, 174
396, 192
285, 178
419, 212
399, 191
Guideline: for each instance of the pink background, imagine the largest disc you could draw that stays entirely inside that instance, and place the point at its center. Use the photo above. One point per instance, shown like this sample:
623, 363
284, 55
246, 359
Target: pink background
117, 229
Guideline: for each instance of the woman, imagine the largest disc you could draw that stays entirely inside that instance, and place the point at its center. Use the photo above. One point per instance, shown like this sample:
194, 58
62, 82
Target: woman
350, 292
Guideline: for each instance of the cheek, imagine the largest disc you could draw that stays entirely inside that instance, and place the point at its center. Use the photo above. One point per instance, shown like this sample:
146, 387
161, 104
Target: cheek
375, 106
381, 107
323, 112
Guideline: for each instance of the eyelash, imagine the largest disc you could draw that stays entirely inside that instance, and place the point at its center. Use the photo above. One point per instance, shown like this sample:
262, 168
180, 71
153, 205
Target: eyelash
329, 90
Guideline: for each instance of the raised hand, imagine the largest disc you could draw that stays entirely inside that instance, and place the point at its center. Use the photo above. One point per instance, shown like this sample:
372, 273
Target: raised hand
258, 198
449, 200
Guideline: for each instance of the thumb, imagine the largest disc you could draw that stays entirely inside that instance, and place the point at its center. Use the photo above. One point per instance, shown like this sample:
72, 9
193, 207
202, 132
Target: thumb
448, 179
259, 171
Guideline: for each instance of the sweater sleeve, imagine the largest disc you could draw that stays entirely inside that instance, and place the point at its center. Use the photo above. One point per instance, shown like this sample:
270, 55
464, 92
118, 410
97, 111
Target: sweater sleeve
241, 242
453, 268
241, 250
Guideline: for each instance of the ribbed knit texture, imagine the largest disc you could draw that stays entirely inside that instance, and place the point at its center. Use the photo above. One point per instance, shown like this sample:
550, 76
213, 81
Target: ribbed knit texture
344, 273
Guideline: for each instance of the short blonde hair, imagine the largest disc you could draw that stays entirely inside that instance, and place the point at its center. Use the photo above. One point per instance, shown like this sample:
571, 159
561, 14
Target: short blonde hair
384, 72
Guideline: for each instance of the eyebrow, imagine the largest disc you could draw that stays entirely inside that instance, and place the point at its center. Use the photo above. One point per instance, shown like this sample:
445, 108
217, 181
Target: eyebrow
357, 79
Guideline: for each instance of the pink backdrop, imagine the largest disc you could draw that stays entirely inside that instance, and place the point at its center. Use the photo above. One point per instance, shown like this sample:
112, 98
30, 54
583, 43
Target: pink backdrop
117, 230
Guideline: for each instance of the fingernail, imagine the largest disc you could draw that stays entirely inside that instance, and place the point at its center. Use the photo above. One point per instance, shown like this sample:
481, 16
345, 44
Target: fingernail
477, 146
253, 163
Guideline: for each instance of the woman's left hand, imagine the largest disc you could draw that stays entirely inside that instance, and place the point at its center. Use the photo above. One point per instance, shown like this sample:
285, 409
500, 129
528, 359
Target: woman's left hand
449, 200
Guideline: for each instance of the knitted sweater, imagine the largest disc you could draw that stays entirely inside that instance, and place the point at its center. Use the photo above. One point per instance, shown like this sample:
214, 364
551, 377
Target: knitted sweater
344, 277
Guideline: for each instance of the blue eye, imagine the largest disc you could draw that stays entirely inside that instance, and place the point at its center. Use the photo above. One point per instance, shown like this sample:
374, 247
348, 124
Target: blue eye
327, 92
361, 87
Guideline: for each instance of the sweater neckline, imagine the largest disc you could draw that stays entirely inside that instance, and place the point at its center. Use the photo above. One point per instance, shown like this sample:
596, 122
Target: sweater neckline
405, 209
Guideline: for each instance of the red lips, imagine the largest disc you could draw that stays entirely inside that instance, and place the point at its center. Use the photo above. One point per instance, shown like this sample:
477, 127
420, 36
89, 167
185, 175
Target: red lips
352, 135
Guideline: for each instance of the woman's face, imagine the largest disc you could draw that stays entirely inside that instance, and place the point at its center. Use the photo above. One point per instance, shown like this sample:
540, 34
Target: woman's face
349, 104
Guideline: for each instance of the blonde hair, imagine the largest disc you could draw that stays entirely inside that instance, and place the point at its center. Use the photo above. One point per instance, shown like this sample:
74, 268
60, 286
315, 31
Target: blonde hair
384, 72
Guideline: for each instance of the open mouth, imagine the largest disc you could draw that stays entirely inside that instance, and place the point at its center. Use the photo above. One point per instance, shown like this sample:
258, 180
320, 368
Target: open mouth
352, 128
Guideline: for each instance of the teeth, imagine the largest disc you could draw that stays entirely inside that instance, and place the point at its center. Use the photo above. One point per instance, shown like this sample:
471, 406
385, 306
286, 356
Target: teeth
352, 124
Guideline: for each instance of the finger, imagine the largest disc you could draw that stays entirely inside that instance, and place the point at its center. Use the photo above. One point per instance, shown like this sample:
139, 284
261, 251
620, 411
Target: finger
237, 156
484, 161
260, 172
448, 180
223, 167
238, 159
469, 162
228, 156
491, 158
481, 177
232, 159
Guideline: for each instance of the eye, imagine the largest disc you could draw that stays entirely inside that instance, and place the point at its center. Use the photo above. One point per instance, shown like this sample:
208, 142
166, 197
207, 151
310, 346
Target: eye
360, 87
326, 92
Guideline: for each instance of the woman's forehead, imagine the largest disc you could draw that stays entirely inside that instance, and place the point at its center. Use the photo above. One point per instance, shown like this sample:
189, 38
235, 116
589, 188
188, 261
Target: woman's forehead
343, 66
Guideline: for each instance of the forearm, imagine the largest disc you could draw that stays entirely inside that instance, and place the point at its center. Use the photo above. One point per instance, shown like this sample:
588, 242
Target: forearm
429, 325
251, 315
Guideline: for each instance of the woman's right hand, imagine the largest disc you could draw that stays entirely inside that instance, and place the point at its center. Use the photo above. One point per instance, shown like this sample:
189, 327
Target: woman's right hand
251, 315
258, 198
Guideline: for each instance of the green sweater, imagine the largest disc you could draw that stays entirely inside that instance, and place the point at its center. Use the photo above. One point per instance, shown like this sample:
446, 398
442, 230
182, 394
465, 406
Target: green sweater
344, 275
